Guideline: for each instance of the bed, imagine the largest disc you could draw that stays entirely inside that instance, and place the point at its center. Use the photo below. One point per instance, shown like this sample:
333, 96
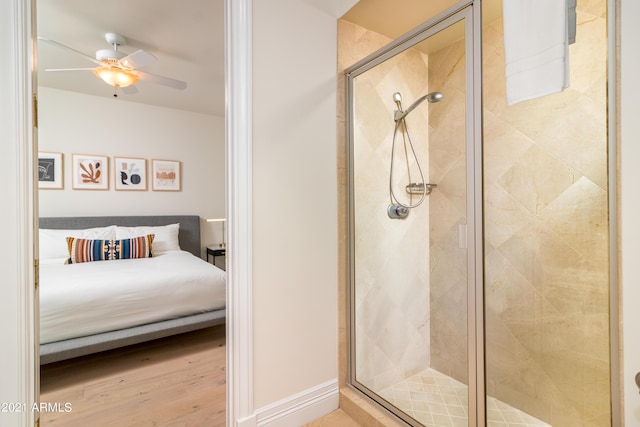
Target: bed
88, 307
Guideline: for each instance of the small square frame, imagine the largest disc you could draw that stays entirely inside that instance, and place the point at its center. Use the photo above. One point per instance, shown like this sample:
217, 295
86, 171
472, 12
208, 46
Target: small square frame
166, 175
50, 171
90, 172
129, 174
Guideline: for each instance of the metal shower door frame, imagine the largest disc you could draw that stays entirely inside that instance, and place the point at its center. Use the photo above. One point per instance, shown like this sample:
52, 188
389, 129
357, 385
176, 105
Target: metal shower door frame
469, 11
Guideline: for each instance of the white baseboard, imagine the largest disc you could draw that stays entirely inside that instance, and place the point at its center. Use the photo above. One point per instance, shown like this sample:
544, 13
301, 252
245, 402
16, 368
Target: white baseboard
301, 408
247, 422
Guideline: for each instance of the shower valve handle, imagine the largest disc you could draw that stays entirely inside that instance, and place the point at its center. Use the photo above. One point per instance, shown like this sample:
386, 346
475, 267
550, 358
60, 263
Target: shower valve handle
397, 211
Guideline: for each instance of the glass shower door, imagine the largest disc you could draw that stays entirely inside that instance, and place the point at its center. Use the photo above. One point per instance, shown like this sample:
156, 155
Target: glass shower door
410, 232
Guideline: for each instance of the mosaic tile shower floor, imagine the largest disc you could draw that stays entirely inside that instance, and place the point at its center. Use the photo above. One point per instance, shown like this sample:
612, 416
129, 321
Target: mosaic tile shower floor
439, 401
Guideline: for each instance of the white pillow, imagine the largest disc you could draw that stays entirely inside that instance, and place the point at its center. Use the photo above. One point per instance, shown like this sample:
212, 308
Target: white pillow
166, 236
53, 243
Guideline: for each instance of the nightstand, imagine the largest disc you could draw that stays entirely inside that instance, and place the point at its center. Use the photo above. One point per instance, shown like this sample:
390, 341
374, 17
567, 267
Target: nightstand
214, 252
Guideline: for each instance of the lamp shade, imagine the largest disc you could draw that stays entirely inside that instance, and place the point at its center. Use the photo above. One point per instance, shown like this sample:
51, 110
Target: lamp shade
222, 220
115, 76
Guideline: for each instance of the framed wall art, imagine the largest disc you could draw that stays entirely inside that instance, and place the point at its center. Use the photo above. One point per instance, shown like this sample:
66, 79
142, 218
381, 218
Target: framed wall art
90, 172
130, 173
50, 171
165, 175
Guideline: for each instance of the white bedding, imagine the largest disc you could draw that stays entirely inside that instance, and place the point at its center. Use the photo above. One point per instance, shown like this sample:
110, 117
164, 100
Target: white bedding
92, 297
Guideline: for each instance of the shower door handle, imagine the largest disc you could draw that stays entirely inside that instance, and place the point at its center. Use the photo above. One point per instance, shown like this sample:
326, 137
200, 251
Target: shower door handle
638, 381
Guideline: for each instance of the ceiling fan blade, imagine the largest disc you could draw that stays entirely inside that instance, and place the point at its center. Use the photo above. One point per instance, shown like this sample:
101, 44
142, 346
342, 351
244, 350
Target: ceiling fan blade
137, 59
166, 81
129, 90
60, 45
69, 69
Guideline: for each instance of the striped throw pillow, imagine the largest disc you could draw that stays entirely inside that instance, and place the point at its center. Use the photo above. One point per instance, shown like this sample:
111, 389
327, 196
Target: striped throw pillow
85, 250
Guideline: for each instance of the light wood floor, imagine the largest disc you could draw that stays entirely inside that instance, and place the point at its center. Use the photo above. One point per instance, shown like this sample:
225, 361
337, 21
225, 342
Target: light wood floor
335, 419
176, 381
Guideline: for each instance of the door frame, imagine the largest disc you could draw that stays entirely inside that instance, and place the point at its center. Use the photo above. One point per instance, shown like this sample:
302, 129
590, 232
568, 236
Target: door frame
238, 119
20, 383
20, 380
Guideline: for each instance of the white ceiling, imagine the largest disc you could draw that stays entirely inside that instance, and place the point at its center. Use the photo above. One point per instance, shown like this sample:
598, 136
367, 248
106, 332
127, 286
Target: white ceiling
187, 38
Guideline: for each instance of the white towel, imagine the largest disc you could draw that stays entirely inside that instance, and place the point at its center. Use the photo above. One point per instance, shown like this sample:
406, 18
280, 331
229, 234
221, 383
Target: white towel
536, 48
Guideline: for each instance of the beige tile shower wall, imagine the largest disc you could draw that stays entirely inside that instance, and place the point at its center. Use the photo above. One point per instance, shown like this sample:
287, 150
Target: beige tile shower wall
391, 256
546, 233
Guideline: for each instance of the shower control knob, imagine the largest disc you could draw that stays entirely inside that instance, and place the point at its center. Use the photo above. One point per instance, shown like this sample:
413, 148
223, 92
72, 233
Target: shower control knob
397, 211
638, 381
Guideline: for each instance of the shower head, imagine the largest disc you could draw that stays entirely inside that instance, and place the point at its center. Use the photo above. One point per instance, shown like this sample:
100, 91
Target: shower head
434, 97
430, 97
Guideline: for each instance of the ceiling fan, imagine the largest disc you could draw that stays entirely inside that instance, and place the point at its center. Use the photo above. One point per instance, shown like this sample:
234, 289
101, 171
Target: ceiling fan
118, 69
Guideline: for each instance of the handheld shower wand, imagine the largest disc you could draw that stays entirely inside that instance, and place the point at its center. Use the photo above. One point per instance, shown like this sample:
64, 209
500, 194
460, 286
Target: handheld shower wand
430, 97
397, 209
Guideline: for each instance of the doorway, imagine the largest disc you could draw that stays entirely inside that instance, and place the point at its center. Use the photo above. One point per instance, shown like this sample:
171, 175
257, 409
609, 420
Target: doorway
73, 121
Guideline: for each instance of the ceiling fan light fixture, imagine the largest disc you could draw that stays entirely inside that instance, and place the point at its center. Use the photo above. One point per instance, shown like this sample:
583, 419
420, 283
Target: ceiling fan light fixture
116, 77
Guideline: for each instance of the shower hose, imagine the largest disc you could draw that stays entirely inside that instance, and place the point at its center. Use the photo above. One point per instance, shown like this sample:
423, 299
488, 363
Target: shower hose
397, 206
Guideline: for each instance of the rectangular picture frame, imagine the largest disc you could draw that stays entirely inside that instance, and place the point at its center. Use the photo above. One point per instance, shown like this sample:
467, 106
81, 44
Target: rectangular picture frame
90, 172
50, 171
166, 175
129, 174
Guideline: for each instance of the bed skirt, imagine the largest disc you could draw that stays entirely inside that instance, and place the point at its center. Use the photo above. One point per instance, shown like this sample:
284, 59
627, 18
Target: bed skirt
67, 349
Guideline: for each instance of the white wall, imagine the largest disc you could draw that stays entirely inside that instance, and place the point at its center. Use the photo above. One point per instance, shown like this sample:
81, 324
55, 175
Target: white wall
85, 124
295, 199
630, 206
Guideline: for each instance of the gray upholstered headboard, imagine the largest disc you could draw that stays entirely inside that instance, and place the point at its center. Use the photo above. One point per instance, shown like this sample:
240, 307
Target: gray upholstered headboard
189, 235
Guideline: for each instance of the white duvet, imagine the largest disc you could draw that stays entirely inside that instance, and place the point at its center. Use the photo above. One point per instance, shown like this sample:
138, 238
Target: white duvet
88, 298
